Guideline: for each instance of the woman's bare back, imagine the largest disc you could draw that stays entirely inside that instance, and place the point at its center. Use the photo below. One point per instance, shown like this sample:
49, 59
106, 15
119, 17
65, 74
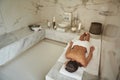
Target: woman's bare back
77, 53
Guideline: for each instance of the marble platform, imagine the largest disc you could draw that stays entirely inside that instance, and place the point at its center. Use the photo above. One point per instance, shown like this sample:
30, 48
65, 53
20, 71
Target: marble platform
54, 74
61, 36
14, 43
66, 37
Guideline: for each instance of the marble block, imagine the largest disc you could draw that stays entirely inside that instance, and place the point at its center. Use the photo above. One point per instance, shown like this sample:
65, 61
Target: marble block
59, 36
54, 73
14, 43
6, 39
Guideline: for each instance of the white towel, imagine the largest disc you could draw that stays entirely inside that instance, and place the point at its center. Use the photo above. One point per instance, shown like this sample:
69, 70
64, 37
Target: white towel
85, 44
93, 65
76, 75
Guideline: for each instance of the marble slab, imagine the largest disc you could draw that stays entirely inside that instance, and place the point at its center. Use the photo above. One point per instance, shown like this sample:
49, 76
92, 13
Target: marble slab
22, 33
2, 29
14, 43
6, 39
65, 37
60, 36
54, 74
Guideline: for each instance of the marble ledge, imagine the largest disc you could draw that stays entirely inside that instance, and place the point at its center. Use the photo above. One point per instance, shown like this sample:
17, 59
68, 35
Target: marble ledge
14, 36
65, 36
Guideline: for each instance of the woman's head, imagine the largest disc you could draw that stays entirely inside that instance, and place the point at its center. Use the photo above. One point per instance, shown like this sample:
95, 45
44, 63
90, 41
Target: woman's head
72, 66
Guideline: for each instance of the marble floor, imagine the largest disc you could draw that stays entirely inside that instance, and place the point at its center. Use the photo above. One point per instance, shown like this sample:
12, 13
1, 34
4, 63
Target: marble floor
34, 63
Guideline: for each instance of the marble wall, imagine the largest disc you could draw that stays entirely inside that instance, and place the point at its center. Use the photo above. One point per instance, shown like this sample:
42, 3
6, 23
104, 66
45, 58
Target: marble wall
110, 59
86, 10
17, 14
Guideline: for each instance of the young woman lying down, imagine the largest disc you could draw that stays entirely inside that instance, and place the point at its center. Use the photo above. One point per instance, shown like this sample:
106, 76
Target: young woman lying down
77, 52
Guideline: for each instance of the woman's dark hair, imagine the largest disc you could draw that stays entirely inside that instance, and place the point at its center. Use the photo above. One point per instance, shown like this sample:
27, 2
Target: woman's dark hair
72, 66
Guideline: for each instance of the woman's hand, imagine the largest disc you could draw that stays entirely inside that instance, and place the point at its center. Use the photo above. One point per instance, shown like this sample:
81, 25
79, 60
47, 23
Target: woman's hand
92, 48
71, 43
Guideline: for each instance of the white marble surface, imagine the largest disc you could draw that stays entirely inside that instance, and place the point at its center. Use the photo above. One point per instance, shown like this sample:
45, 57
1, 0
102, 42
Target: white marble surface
12, 44
60, 35
6, 39
2, 29
65, 37
54, 74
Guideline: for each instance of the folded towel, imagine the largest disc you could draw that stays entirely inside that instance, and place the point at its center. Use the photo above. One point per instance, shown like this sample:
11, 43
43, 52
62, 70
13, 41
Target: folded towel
76, 75
85, 44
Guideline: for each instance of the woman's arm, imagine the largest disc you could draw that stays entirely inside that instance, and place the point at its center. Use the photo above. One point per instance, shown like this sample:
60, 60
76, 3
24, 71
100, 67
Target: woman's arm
85, 61
69, 49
